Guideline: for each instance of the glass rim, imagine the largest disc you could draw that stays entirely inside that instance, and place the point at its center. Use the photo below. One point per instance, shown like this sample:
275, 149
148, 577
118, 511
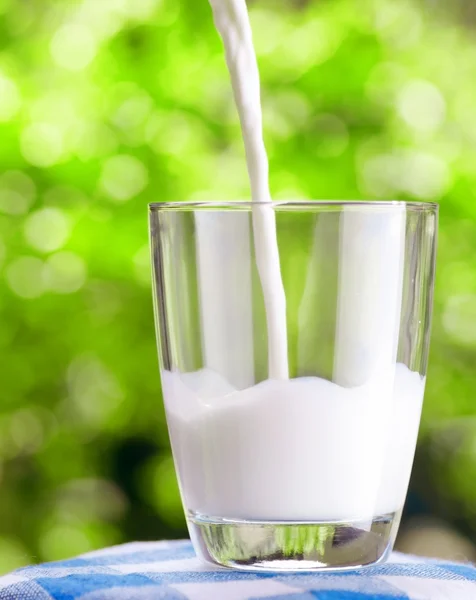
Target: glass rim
237, 205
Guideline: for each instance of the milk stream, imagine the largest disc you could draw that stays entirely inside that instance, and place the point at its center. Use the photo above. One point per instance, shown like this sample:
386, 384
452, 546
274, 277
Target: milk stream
232, 22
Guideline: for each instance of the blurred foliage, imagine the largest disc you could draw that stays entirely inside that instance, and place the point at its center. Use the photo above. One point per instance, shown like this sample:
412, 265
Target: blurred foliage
106, 105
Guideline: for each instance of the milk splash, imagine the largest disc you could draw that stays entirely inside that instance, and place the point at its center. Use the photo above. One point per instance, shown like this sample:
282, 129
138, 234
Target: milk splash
232, 22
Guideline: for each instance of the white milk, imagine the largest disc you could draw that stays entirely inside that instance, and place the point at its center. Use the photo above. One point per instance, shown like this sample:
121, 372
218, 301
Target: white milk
232, 22
304, 449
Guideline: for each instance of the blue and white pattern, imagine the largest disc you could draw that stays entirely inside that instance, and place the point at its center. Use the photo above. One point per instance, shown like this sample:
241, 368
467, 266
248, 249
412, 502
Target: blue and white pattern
170, 571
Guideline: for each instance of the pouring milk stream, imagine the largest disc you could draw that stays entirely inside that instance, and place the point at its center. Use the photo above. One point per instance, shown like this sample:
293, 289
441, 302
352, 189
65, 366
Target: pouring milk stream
232, 21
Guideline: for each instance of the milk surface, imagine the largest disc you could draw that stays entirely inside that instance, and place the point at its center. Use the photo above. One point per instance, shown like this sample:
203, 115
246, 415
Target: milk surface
305, 449
232, 22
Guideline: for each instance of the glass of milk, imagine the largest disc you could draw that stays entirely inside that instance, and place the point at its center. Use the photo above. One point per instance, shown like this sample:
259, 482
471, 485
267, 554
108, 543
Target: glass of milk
293, 379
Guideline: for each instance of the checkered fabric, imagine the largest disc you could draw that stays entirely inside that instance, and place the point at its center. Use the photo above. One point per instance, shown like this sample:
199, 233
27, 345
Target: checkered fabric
170, 571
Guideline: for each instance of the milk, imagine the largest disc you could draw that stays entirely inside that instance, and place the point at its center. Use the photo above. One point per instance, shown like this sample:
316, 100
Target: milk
232, 22
305, 449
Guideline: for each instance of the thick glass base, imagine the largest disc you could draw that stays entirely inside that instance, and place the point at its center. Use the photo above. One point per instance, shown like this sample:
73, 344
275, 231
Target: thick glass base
291, 546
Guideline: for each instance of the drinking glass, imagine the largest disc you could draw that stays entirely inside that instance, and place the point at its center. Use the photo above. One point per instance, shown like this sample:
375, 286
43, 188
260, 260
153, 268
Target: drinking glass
305, 466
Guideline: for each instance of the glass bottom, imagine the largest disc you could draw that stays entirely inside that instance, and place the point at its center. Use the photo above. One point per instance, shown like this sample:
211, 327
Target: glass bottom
292, 546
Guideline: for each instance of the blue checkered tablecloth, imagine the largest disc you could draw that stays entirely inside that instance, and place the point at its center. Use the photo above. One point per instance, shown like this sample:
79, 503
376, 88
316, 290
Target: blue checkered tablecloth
170, 571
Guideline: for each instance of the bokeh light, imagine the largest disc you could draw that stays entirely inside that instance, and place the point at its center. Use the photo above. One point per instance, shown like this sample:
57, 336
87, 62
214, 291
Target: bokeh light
123, 177
42, 144
10, 99
94, 391
459, 319
25, 276
421, 175
421, 106
141, 10
73, 46
47, 229
398, 24
65, 272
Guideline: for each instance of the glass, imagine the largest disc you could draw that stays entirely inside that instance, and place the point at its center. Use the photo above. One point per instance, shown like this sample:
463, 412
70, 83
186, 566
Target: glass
308, 470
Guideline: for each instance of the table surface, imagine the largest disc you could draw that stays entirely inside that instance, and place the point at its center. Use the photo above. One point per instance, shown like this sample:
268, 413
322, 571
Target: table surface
171, 571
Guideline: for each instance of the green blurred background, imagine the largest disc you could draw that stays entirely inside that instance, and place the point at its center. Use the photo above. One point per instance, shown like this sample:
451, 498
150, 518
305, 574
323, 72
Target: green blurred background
106, 105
